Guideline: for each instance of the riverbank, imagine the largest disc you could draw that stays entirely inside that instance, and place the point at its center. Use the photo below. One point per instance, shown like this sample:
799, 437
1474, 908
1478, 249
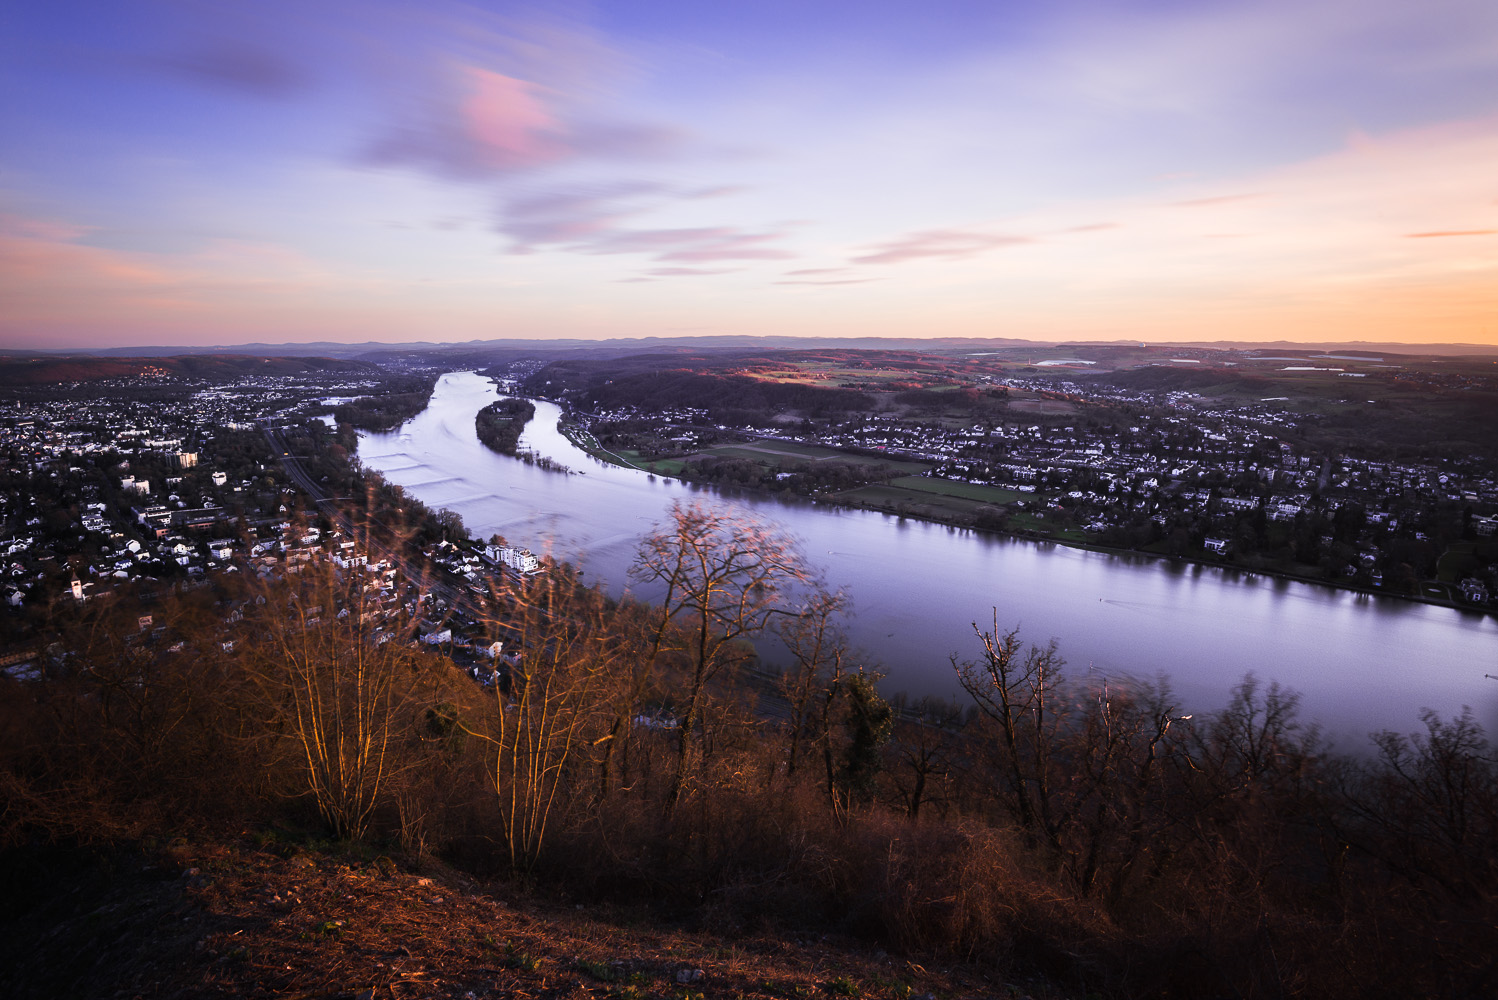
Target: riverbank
917, 586
581, 437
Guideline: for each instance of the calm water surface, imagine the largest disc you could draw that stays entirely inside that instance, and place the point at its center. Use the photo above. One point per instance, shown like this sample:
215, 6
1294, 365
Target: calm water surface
1361, 663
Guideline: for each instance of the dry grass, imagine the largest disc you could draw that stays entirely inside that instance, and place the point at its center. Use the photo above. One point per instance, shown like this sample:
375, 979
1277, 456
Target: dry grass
237, 919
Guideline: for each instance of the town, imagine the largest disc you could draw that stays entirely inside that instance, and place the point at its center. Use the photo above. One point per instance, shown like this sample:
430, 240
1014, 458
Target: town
1266, 484
166, 476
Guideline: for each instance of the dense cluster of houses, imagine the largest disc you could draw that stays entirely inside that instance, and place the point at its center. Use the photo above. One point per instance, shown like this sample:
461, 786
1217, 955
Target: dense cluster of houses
1176, 459
109, 486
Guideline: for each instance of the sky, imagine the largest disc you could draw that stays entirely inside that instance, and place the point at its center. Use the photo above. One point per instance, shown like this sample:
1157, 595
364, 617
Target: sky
186, 172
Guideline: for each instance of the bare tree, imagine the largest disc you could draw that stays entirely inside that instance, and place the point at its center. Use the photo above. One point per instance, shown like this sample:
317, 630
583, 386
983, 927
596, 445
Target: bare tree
339, 671
818, 646
724, 576
641, 627
1428, 805
1016, 689
1090, 782
549, 701
1123, 753
926, 751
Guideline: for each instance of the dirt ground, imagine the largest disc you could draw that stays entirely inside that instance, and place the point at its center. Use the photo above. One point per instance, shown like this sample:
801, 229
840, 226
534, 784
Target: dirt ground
245, 920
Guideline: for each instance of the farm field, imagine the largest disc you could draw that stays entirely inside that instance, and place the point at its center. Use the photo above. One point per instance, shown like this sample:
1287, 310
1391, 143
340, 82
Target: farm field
913, 502
780, 453
964, 491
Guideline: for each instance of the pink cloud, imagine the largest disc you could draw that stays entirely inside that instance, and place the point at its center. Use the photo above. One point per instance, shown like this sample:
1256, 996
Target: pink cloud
682, 272
24, 228
38, 257
509, 122
479, 124
945, 244
54, 284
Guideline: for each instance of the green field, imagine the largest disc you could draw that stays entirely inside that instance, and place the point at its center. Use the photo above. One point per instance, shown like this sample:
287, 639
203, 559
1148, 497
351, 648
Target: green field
913, 502
780, 453
1456, 562
664, 466
944, 500
966, 491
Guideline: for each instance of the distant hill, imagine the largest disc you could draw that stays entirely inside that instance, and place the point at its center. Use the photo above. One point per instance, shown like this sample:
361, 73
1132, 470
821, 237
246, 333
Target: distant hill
490, 351
55, 370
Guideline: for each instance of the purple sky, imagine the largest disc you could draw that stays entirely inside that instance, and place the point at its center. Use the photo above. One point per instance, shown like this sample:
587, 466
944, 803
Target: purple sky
210, 173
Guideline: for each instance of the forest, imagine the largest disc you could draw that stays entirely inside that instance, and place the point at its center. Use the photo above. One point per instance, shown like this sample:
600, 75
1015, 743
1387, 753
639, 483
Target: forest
730, 398
404, 397
500, 424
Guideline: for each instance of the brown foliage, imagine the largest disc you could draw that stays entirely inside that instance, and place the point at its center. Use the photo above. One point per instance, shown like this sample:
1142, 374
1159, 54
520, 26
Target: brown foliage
1093, 832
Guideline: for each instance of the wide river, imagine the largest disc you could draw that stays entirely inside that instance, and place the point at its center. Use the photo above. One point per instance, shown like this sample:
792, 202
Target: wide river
1361, 663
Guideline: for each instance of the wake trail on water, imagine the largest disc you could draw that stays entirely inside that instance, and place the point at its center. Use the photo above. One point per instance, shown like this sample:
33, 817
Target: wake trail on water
472, 498
612, 540
437, 482
1139, 607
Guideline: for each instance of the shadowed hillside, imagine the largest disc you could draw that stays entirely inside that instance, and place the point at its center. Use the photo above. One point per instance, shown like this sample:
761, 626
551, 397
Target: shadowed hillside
54, 370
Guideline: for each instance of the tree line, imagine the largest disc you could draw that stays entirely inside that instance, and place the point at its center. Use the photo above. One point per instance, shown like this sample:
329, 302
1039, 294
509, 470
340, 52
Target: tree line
402, 398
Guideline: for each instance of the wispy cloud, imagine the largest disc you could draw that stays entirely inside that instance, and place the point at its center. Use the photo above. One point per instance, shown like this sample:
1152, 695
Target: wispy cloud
942, 244
1215, 200
575, 215
1452, 232
701, 244
592, 220
832, 281
685, 272
239, 65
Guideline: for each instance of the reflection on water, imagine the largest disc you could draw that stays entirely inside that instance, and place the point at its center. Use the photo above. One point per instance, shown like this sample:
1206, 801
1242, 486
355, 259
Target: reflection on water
1362, 662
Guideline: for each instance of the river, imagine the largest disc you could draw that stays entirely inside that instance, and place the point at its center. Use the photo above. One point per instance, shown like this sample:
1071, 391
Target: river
1361, 663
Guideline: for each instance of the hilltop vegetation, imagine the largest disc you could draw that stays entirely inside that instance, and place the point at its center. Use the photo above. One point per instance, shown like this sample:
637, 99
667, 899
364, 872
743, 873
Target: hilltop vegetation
1107, 838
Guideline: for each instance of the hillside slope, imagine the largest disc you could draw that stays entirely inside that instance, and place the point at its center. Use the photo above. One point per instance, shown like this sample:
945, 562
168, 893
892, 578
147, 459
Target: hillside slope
277, 920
